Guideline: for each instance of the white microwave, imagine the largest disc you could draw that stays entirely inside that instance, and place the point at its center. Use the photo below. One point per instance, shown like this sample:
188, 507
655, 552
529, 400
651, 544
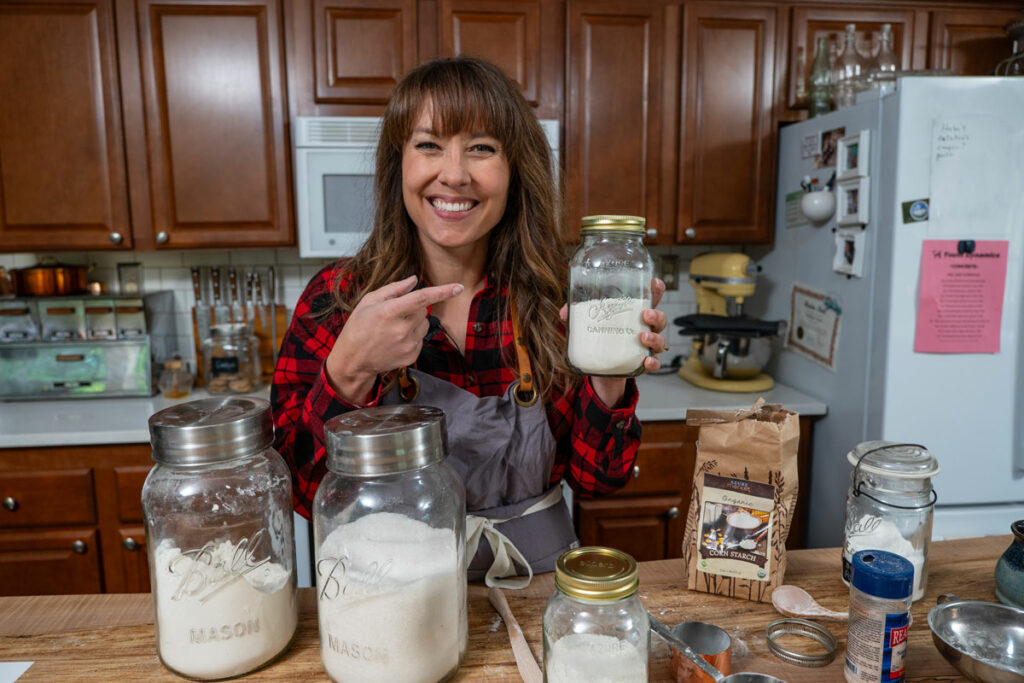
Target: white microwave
334, 167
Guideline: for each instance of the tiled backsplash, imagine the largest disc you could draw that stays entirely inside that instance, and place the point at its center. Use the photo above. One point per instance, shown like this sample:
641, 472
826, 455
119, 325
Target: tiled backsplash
170, 270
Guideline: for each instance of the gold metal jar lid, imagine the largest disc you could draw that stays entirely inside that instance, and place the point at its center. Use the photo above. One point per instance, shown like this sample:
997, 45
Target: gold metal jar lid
596, 573
611, 222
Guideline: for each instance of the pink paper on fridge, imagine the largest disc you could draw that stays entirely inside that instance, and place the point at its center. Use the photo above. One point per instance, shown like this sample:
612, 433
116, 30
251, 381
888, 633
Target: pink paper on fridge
961, 305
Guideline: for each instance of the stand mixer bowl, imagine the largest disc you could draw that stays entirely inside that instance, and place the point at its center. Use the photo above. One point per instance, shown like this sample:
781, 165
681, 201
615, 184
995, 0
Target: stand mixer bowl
727, 356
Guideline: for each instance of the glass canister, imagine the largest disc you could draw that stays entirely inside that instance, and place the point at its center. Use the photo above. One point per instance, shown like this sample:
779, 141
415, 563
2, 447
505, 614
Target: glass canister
231, 359
595, 626
609, 288
389, 527
219, 536
889, 504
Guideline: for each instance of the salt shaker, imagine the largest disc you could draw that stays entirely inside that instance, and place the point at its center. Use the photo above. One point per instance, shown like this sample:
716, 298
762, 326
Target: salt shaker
218, 513
876, 637
889, 504
609, 288
595, 626
389, 527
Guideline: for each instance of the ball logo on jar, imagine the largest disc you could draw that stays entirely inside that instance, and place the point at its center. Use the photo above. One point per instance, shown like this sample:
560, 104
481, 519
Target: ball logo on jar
334, 580
204, 575
605, 309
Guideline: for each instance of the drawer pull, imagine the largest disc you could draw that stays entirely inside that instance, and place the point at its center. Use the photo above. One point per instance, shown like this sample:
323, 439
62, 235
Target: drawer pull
130, 544
79, 547
673, 512
70, 357
10, 503
636, 471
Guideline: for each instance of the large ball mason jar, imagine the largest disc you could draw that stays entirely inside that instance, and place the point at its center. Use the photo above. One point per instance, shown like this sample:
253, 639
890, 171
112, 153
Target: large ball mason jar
389, 527
609, 288
219, 537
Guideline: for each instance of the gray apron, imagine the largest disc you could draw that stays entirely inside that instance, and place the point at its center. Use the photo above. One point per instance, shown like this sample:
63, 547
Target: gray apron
504, 453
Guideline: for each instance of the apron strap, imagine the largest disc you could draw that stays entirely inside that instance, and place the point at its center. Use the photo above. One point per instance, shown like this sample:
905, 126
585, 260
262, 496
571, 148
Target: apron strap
526, 393
503, 549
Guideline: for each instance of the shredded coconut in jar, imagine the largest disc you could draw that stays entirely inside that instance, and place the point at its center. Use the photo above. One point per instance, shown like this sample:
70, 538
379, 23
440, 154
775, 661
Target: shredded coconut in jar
594, 658
220, 611
604, 335
391, 600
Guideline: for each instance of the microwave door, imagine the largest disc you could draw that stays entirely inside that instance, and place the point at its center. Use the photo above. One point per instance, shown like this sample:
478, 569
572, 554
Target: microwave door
336, 203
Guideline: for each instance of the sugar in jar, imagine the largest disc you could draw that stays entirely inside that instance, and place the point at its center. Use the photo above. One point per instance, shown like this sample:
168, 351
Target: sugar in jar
595, 626
218, 513
609, 288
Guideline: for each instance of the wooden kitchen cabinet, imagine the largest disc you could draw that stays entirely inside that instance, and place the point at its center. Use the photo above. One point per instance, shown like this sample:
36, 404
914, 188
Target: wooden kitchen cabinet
143, 125
647, 517
71, 520
971, 42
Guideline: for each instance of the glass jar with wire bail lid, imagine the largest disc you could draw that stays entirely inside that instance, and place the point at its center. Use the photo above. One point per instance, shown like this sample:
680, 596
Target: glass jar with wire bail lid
890, 503
609, 288
219, 537
389, 527
595, 626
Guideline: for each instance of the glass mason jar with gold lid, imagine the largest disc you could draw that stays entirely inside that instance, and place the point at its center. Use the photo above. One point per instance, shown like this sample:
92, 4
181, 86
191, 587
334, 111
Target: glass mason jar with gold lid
595, 627
609, 288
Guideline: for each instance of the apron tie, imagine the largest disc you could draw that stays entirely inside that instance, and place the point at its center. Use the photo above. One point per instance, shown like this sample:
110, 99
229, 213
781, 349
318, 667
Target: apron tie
503, 549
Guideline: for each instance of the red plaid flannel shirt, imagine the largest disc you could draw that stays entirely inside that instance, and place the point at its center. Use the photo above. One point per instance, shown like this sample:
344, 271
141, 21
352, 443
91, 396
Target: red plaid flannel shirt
596, 446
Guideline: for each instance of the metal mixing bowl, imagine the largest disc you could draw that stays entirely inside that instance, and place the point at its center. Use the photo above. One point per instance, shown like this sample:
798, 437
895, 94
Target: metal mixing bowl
983, 640
734, 357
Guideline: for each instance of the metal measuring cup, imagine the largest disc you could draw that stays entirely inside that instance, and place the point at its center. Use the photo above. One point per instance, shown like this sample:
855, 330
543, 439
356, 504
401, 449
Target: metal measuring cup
675, 641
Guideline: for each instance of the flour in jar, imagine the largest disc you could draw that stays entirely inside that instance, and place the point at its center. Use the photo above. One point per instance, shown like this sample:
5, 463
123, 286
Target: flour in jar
220, 610
884, 535
594, 658
604, 336
391, 597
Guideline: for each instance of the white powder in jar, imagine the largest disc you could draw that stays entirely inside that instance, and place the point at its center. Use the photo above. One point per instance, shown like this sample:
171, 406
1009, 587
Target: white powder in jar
221, 611
391, 596
604, 335
594, 658
881, 534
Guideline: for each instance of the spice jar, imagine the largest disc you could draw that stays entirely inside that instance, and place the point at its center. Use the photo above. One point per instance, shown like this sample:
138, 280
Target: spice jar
231, 361
890, 503
876, 635
218, 514
595, 627
175, 380
389, 526
609, 288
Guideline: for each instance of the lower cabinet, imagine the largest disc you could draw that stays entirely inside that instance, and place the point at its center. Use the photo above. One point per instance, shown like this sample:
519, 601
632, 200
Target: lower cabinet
647, 517
71, 520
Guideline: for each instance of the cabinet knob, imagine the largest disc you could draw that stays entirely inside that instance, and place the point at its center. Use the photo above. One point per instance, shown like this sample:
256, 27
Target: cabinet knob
672, 513
636, 471
10, 503
162, 237
79, 547
652, 232
690, 233
130, 544
116, 237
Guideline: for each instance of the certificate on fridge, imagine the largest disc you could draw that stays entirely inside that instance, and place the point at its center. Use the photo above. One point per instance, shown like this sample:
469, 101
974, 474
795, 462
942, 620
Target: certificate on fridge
814, 325
960, 309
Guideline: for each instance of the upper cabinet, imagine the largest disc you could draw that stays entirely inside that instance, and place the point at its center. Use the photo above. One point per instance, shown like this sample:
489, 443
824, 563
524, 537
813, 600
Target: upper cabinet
143, 125
970, 42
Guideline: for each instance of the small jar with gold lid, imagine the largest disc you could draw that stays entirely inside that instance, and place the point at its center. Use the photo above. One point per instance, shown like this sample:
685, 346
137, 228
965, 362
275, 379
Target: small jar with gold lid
595, 627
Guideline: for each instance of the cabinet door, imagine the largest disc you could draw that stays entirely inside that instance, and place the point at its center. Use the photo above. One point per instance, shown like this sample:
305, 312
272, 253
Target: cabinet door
727, 141
613, 116
50, 562
62, 172
970, 42
214, 148
646, 527
49, 497
134, 562
909, 35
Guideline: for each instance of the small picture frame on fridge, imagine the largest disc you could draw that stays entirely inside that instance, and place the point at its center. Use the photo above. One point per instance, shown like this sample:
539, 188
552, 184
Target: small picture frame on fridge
852, 156
852, 201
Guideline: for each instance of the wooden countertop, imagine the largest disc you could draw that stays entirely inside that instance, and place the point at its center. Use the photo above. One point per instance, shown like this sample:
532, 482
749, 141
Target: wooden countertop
112, 638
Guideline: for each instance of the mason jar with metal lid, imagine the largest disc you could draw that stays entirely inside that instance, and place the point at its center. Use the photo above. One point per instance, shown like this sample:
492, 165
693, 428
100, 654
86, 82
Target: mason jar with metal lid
389, 526
219, 536
609, 288
231, 359
890, 503
595, 626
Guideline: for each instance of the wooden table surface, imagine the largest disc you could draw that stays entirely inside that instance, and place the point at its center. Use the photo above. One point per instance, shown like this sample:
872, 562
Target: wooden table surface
112, 638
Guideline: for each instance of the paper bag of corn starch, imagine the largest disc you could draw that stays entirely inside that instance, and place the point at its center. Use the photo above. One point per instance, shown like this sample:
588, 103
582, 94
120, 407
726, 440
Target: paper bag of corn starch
744, 495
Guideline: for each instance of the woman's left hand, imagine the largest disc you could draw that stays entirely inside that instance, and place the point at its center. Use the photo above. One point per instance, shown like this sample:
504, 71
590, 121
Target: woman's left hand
657, 320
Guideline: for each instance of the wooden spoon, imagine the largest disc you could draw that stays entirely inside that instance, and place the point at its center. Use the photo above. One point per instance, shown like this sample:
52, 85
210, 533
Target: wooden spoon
794, 601
528, 667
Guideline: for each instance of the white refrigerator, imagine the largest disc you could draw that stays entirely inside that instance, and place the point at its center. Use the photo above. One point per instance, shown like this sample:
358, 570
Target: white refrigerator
931, 169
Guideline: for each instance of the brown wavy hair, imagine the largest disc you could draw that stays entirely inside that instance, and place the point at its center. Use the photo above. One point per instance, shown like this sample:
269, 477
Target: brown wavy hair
525, 254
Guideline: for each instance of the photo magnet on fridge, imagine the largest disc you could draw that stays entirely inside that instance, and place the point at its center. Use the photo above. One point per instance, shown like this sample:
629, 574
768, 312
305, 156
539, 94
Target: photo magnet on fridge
849, 255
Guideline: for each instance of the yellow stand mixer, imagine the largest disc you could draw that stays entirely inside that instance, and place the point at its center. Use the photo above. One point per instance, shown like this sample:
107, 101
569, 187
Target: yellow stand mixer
729, 350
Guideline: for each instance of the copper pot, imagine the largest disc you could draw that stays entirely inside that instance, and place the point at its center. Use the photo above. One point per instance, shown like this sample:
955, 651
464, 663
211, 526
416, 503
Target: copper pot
50, 279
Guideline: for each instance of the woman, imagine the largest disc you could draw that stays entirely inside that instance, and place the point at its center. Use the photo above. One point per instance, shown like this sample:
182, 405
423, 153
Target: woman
464, 251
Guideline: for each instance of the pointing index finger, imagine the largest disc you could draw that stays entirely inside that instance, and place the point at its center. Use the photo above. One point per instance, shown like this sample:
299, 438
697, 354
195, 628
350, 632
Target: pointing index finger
419, 299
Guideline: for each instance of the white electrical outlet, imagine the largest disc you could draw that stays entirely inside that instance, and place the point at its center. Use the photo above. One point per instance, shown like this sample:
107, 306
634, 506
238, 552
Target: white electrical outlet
668, 271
